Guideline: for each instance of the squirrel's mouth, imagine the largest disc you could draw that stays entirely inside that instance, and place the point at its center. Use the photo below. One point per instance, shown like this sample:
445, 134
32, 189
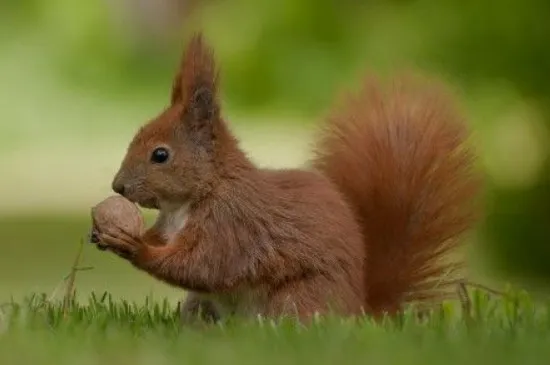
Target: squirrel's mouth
148, 203
144, 202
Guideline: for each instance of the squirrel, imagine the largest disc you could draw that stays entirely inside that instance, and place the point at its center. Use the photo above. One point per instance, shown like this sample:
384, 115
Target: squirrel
363, 229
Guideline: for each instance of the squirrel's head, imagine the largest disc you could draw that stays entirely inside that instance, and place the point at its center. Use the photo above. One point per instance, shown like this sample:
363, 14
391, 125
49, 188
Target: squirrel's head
180, 154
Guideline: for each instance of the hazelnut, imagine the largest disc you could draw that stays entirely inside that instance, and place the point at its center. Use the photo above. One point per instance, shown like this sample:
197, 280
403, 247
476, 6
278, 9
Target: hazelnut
115, 213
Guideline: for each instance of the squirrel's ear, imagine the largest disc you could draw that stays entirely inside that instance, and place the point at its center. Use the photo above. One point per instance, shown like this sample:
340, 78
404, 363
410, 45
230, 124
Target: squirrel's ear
196, 84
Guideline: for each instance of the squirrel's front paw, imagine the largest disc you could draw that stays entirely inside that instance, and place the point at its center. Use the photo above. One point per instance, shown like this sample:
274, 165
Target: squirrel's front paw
120, 243
93, 238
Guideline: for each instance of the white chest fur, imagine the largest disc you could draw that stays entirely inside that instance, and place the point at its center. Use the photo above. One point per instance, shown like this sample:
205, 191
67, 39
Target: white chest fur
172, 219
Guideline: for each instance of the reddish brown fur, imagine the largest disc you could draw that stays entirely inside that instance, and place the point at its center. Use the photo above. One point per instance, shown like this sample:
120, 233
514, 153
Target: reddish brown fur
197, 69
399, 155
362, 231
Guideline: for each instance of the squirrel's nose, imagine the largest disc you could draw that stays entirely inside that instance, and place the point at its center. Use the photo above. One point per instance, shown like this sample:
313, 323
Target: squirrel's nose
118, 188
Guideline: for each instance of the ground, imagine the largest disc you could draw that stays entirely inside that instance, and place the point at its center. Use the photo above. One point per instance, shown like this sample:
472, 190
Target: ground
509, 330
124, 327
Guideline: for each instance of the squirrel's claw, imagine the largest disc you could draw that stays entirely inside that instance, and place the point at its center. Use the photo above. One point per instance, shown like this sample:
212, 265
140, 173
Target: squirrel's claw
93, 237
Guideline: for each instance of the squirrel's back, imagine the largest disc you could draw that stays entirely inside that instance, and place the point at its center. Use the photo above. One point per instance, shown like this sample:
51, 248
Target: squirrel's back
399, 155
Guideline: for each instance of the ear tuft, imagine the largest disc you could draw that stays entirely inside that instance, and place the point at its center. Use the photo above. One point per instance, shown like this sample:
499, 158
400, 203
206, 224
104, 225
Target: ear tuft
197, 77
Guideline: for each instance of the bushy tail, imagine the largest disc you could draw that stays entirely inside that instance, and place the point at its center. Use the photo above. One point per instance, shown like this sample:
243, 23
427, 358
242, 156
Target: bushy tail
399, 155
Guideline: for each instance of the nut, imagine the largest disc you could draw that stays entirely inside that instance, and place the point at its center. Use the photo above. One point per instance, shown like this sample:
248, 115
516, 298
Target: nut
116, 213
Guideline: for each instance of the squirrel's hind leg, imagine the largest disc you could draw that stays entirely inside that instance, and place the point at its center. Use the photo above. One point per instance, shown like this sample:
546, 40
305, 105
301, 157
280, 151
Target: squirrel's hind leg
197, 310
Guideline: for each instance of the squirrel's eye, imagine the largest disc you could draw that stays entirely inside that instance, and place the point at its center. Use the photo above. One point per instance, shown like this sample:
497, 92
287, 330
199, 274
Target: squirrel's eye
160, 155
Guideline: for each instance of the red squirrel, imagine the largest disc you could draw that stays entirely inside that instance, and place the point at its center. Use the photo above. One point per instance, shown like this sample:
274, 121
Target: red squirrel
363, 229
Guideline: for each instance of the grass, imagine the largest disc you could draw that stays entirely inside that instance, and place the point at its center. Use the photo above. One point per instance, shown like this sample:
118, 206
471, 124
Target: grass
100, 329
124, 328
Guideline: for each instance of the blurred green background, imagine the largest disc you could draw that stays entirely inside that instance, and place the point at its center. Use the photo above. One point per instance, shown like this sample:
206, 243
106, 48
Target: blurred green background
78, 78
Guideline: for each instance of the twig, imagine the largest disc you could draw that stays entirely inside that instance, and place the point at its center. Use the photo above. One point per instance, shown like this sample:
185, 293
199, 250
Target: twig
56, 289
85, 268
71, 278
64, 280
483, 287
465, 302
